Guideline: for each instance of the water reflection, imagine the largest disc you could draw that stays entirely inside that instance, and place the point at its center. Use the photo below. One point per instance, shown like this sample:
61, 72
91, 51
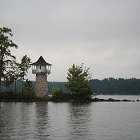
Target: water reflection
16, 120
69, 121
58, 121
2, 120
41, 120
79, 120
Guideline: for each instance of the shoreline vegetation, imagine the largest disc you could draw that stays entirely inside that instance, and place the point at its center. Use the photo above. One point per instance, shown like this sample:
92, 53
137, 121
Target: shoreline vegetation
4, 97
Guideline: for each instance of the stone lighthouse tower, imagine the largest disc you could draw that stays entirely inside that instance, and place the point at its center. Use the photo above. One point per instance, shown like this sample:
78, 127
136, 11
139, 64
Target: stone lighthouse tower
41, 69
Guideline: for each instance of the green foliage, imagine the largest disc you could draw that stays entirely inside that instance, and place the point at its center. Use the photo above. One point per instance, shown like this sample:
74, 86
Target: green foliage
28, 87
78, 82
118, 86
26, 91
27, 95
59, 85
58, 94
24, 66
9, 79
6, 58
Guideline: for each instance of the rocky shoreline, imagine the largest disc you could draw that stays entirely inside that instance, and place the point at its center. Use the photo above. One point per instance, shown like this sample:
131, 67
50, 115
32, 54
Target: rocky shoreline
113, 100
65, 100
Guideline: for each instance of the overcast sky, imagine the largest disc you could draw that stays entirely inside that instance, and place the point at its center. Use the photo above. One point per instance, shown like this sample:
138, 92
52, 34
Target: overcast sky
102, 34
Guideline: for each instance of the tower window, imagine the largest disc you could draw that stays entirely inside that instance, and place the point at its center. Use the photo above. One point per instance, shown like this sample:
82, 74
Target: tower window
40, 67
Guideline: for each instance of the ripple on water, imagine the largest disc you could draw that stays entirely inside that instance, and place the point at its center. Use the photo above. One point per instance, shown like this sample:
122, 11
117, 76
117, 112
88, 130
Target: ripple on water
70, 121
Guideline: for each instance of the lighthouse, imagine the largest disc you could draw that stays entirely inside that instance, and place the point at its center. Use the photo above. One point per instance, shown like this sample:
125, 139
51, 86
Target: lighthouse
41, 69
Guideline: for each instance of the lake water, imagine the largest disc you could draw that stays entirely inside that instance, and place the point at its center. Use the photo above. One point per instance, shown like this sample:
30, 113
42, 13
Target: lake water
71, 121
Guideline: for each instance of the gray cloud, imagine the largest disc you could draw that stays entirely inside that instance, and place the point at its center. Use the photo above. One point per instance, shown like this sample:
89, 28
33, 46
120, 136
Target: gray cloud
102, 34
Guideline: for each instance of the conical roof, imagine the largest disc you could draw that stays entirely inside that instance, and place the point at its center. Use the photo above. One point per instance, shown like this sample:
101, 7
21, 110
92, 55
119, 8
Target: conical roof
41, 62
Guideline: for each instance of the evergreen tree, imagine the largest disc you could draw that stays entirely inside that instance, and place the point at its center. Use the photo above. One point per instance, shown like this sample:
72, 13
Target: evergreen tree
23, 68
6, 58
78, 82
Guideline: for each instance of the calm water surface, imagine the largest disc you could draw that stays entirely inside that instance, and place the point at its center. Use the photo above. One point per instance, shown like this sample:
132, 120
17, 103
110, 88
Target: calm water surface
69, 121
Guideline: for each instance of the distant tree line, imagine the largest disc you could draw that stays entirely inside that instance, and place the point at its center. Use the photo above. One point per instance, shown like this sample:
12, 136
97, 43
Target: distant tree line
107, 86
116, 86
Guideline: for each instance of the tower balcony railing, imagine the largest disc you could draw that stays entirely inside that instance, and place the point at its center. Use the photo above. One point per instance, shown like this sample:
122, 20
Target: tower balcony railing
36, 71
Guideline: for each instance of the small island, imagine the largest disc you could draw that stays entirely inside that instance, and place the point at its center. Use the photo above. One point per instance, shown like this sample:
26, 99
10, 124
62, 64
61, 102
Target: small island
11, 72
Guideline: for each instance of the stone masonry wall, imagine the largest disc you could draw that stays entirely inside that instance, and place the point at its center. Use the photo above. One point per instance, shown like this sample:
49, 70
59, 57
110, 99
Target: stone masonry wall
41, 85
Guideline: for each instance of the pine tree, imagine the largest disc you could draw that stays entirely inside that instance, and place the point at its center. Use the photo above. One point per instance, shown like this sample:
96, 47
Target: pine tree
78, 82
6, 58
